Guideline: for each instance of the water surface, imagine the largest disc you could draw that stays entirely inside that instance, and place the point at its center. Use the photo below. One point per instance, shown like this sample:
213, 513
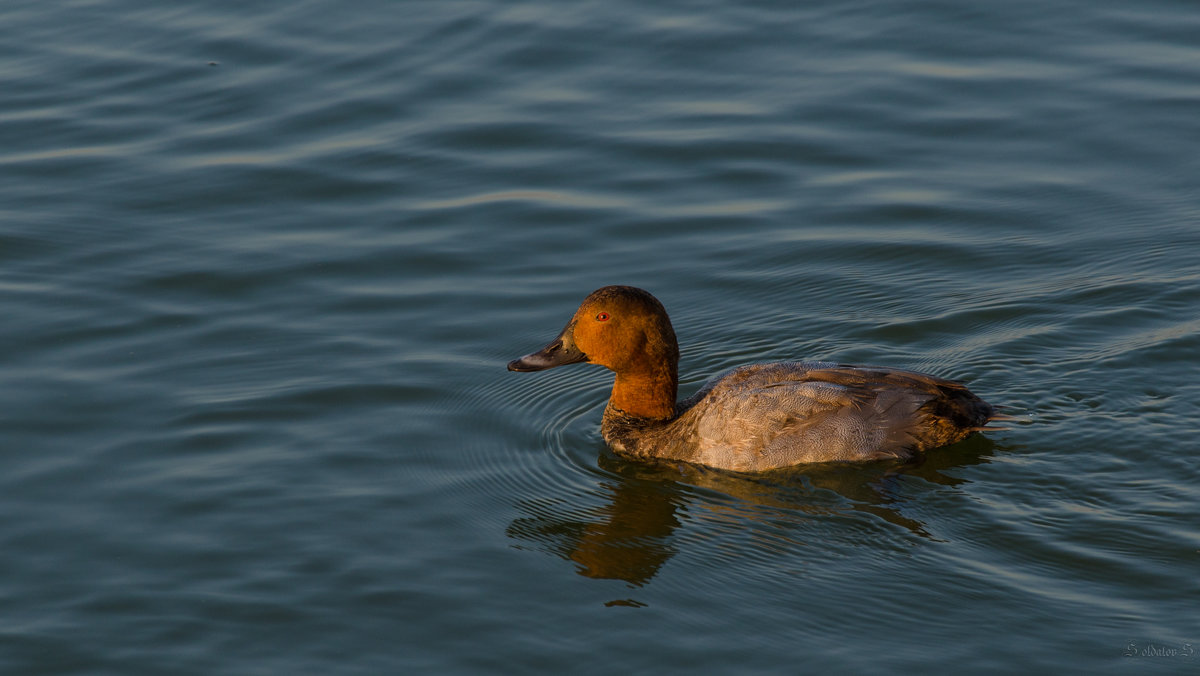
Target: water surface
262, 267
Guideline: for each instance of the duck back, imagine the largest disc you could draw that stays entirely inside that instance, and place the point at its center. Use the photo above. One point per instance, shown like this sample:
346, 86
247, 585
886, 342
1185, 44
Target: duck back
773, 415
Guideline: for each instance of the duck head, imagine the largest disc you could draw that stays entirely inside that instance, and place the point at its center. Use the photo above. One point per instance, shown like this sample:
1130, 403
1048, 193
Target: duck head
626, 330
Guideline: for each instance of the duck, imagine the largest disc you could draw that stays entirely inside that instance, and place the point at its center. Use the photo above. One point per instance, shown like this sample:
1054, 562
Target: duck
751, 418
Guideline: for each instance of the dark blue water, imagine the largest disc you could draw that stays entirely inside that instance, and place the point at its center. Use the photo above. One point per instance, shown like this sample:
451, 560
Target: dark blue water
262, 266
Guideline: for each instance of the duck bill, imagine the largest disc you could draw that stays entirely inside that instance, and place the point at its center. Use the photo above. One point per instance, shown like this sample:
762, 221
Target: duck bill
559, 352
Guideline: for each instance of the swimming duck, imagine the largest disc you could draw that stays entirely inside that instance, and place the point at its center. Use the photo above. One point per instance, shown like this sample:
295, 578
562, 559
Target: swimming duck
752, 418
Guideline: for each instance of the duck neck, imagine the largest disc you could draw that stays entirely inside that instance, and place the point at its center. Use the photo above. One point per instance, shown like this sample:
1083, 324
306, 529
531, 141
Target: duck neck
646, 392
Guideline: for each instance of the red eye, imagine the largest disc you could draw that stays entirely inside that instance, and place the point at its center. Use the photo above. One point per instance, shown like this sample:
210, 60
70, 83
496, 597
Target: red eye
602, 317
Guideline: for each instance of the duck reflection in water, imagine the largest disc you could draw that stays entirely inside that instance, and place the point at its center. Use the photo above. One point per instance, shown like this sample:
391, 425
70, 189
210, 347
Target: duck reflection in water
634, 533
629, 538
